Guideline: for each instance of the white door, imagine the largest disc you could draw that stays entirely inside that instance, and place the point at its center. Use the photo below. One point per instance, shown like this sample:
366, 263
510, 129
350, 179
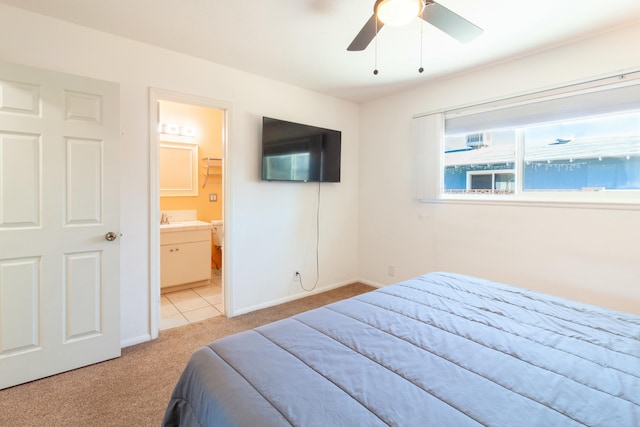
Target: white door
59, 197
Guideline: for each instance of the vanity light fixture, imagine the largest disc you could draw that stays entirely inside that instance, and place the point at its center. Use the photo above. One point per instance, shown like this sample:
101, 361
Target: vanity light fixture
187, 131
173, 129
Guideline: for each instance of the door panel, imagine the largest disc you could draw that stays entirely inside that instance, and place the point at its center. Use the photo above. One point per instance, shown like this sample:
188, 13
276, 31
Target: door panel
20, 166
82, 295
59, 196
84, 181
19, 301
20, 98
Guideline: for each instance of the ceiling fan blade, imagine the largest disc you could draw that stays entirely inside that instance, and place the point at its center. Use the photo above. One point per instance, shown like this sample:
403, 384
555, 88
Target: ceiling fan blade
366, 34
450, 22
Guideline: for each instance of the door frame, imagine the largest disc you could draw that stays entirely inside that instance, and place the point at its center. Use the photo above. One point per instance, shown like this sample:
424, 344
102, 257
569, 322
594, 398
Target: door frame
155, 95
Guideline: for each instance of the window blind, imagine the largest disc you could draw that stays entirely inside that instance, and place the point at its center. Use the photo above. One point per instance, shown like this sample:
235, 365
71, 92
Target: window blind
589, 100
426, 135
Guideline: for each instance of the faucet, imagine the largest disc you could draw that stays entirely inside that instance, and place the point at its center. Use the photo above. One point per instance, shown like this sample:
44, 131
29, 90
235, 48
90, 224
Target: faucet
164, 219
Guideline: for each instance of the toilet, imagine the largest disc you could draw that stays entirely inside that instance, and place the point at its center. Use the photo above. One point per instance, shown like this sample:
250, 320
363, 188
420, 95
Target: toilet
217, 239
217, 232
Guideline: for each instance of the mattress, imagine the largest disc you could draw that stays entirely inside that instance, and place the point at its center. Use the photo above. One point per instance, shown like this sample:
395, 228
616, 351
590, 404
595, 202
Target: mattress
441, 349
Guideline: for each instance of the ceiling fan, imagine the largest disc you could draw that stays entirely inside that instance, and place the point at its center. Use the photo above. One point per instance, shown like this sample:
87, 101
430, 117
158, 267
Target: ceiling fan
400, 12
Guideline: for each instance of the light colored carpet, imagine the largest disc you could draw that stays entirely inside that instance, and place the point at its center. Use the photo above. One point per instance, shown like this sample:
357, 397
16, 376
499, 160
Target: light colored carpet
134, 389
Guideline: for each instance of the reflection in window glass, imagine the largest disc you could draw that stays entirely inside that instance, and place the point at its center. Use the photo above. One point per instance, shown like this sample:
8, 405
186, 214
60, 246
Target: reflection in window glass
599, 153
482, 182
505, 181
287, 167
480, 163
588, 154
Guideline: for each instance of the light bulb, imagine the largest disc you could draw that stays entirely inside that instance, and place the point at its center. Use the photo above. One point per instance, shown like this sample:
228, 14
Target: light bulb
398, 12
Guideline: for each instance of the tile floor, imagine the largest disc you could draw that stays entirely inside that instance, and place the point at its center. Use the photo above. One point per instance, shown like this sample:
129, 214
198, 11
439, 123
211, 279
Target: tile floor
180, 308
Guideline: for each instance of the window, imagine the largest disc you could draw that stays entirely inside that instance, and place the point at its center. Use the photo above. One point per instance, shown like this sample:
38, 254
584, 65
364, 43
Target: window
590, 154
480, 163
490, 182
582, 145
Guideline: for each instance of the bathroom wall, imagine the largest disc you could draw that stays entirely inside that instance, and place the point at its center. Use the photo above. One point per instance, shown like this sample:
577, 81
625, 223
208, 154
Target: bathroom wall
207, 123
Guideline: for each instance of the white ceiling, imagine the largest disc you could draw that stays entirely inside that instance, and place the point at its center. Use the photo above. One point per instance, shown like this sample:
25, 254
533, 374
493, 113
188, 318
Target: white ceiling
303, 42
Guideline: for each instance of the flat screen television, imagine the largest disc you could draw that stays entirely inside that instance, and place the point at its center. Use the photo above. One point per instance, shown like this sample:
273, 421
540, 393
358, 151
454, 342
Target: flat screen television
298, 152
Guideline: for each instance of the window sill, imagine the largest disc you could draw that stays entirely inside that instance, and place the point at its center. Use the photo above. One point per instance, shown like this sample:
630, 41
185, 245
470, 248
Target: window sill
542, 200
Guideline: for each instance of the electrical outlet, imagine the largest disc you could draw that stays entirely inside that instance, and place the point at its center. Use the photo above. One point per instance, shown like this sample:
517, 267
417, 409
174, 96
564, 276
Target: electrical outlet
391, 270
296, 275
213, 197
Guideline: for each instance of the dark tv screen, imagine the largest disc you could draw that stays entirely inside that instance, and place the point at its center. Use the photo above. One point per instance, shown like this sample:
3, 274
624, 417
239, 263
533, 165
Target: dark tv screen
298, 152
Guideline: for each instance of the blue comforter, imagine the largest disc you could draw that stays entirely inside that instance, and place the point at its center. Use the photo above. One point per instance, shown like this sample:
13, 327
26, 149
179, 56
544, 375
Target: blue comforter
438, 350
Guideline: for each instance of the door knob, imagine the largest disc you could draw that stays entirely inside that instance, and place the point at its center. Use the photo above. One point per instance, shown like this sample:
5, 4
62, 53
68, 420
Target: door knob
110, 236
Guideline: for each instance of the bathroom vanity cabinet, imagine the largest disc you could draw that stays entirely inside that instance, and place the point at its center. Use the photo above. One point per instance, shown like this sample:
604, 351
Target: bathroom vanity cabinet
185, 254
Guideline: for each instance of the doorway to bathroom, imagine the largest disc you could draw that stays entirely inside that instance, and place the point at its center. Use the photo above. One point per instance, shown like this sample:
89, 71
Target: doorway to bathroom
188, 284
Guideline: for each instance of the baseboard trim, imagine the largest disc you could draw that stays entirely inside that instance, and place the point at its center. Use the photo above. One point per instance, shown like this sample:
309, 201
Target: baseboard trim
290, 298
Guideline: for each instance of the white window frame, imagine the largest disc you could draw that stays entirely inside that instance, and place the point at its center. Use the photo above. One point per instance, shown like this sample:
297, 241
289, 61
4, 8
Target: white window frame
434, 122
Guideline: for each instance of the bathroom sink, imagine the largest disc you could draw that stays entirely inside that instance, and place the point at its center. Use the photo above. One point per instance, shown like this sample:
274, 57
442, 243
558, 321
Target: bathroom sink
185, 225
172, 225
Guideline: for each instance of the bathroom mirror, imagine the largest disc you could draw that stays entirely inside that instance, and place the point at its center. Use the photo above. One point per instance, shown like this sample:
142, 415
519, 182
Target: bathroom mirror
178, 169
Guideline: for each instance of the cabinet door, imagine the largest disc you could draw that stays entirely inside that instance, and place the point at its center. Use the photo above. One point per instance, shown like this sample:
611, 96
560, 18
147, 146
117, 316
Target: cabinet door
185, 263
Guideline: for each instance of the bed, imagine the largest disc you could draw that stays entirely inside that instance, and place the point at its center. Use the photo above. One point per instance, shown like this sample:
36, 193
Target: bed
441, 349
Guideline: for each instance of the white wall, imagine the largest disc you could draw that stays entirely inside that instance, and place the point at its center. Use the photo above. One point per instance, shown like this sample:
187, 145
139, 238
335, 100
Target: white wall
591, 255
272, 225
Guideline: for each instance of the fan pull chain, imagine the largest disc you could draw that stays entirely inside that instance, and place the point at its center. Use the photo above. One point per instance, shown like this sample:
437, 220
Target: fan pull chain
375, 46
421, 69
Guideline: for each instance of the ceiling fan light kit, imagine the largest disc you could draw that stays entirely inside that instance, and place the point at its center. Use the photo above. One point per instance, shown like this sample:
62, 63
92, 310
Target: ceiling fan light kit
398, 12
401, 12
